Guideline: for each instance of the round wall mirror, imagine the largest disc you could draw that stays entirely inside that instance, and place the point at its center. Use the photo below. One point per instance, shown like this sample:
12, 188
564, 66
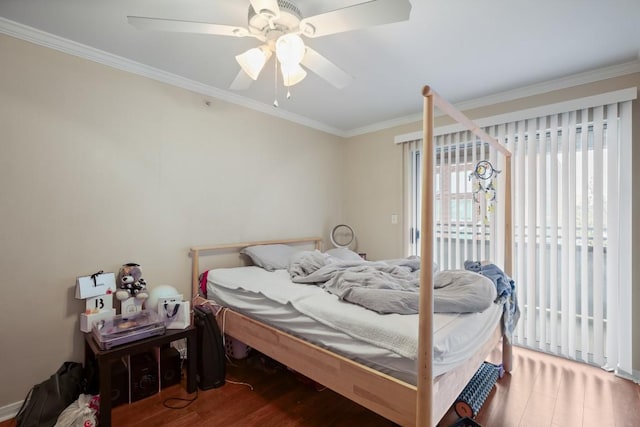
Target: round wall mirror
342, 236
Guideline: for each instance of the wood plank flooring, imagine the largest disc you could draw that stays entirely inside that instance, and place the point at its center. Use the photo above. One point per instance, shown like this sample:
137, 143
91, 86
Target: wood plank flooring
550, 391
543, 391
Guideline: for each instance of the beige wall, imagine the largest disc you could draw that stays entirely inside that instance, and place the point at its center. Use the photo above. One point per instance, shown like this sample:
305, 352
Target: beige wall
374, 180
373, 192
99, 167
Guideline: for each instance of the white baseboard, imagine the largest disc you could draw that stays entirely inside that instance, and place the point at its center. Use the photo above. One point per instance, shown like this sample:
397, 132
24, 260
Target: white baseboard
9, 411
635, 376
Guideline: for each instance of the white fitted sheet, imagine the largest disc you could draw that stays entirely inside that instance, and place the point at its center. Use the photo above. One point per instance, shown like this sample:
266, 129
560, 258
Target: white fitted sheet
387, 343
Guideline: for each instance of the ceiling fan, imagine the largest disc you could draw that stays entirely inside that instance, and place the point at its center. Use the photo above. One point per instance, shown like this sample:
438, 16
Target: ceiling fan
279, 25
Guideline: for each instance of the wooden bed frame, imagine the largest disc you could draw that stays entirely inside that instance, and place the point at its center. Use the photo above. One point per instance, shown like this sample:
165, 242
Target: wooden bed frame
400, 402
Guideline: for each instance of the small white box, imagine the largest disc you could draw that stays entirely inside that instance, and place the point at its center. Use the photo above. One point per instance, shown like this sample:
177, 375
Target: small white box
88, 320
99, 303
95, 285
131, 305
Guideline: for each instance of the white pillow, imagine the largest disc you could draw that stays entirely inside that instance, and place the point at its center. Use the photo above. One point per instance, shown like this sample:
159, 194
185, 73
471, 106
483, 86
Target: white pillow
344, 254
270, 257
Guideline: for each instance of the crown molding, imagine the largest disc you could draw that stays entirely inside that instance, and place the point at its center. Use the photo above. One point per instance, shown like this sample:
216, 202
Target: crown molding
586, 77
606, 98
61, 44
553, 85
510, 95
70, 47
383, 125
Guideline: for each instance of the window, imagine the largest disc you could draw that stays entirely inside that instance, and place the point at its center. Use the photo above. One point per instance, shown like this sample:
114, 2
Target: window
462, 225
571, 172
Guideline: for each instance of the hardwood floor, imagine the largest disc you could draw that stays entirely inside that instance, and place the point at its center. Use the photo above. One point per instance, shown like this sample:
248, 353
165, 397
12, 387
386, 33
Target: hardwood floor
543, 390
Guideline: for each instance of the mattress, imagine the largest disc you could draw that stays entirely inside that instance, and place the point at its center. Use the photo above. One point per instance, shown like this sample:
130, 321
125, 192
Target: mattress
387, 343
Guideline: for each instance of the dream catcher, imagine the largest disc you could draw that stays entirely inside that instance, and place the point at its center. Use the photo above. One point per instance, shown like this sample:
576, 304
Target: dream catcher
484, 177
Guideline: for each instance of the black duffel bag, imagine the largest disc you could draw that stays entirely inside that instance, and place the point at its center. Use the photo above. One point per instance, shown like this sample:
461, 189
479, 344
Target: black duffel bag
46, 401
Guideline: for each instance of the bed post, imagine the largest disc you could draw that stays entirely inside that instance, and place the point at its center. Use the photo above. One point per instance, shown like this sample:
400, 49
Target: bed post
424, 397
508, 236
195, 268
424, 404
507, 356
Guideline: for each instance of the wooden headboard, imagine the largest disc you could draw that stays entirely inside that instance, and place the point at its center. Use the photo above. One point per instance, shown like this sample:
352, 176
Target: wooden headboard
198, 251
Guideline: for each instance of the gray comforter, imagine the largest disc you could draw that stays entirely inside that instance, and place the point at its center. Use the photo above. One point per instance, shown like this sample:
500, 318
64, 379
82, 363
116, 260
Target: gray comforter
392, 286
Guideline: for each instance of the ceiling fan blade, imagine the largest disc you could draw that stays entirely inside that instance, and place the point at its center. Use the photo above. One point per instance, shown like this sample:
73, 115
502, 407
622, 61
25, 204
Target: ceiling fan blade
369, 14
269, 7
241, 82
173, 25
326, 69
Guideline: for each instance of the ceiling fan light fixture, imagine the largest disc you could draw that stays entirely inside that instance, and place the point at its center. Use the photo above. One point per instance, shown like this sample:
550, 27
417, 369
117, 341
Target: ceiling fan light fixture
278, 24
252, 61
290, 49
292, 74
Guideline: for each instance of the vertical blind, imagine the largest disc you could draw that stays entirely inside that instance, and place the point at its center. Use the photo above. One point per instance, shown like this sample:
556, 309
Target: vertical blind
571, 225
571, 193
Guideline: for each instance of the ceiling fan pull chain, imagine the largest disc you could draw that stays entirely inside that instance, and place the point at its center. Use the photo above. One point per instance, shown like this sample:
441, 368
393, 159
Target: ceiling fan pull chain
275, 86
288, 86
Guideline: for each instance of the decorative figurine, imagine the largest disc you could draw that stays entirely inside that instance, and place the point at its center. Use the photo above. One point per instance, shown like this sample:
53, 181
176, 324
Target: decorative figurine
132, 288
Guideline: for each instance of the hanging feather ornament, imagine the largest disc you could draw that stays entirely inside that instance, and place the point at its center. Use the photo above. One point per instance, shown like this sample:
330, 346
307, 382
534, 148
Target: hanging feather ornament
485, 176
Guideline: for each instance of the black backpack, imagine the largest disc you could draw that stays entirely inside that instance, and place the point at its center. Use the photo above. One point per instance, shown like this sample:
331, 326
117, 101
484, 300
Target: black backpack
46, 401
211, 354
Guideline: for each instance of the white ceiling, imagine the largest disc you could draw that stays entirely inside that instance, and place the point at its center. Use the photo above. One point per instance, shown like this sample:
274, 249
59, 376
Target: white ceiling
464, 49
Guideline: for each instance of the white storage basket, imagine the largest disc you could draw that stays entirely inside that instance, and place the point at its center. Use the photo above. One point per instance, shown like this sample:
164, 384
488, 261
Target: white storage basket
234, 348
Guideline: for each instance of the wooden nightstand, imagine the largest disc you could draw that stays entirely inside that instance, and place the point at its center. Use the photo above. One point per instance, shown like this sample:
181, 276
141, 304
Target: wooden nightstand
105, 359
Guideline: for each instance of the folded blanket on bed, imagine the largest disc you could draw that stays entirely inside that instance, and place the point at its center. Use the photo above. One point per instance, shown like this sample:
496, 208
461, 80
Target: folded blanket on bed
392, 286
